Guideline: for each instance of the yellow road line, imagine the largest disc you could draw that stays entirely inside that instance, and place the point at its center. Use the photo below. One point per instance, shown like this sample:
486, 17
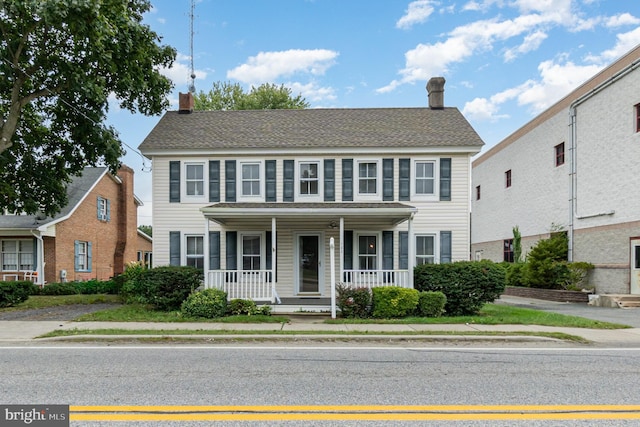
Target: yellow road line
354, 412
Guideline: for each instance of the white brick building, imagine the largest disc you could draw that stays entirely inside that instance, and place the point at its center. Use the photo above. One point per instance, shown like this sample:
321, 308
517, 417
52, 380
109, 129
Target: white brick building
574, 166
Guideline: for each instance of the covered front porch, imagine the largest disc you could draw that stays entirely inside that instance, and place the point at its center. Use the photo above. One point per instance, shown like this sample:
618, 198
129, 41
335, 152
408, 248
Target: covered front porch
279, 253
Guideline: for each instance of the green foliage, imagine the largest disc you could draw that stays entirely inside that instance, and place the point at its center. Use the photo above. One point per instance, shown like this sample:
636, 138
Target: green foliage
353, 302
517, 245
393, 301
67, 288
14, 292
241, 306
131, 289
209, 303
167, 287
95, 286
515, 274
546, 266
577, 278
431, 304
146, 229
468, 285
61, 61
227, 96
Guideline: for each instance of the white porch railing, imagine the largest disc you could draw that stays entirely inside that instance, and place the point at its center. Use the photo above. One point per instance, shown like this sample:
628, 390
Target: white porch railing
255, 285
373, 278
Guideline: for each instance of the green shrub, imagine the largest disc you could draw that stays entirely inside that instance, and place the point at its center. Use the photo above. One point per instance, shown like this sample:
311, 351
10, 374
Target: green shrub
393, 301
577, 279
14, 292
131, 288
468, 285
546, 266
168, 287
241, 306
514, 275
94, 286
209, 303
66, 288
431, 304
353, 302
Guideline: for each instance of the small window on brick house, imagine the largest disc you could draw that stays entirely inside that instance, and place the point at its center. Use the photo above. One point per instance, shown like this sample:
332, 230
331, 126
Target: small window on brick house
508, 250
559, 152
478, 192
507, 178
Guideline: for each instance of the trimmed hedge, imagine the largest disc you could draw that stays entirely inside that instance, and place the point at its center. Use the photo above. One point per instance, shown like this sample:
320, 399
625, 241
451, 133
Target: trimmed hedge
431, 304
393, 301
14, 292
353, 302
166, 288
468, 285
209, 303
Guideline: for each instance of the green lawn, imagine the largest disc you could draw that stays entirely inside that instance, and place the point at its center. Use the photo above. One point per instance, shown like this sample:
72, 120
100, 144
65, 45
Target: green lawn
42, 301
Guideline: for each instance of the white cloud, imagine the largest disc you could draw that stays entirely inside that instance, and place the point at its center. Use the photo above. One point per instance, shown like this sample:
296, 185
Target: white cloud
269, 66
180, 71
531, 42
481, 109
625, 42
311, 91
417, 12
621, 20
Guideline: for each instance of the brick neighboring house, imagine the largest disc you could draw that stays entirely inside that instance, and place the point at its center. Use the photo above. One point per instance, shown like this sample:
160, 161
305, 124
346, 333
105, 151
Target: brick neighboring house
93, 237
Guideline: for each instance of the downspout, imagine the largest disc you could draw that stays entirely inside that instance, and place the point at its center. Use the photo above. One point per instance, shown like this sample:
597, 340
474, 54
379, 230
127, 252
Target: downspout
573, 136
40, 266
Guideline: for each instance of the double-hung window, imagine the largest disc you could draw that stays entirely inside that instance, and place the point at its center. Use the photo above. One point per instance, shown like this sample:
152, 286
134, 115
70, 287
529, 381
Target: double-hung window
194, 179
103, 209
368, 252
559, 154
367, 178
17, 255
251, 258
425, 178
508, 250
309, 178
425, 249
82, 255
195, 251
250, 178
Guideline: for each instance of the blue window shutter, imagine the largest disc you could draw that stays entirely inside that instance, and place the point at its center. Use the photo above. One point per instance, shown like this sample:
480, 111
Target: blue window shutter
387, 180
347, 180
230, 180
174, 182
348, 250
387, 250
403, 254
174, 248
329, 180
89, 257
214, 250
405, 179
232, 254
214, 181
108, 202
98, 204
34, 267
289, 181
270, 180
445, 247
445, 179
76, 255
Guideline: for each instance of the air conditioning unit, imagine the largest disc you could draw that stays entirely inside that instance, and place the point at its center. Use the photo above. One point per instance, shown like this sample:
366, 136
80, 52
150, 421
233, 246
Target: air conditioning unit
63, 276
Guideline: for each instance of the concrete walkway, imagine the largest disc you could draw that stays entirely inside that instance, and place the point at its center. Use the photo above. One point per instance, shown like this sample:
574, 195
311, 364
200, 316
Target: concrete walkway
14, 331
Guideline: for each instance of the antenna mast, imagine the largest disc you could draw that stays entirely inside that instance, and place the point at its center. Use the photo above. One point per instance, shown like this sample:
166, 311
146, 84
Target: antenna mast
192, 85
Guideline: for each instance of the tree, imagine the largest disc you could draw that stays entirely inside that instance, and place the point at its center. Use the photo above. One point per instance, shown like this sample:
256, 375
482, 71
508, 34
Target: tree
230, 96
517, 245
146, 229
60, 61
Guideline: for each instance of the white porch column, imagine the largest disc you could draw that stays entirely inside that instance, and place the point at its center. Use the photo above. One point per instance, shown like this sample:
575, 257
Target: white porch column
341, 249
273, 259
207, 250
411, 249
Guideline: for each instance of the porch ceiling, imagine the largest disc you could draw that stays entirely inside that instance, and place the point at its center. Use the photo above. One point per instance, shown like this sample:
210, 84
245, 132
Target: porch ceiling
391, 213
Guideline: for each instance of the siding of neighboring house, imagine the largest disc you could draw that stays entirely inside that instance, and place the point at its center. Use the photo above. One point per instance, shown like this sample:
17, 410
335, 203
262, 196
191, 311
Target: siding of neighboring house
605, 209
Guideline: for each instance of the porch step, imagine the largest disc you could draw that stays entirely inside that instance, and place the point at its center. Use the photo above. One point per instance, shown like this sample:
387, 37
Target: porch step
616, 301
305, 301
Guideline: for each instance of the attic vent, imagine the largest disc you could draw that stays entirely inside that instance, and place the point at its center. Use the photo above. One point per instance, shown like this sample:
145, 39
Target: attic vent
185, 103
435, 89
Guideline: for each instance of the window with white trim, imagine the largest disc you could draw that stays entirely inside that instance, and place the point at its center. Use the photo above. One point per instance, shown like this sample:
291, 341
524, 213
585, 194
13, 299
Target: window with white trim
367, 178
82, 256
309, 178
251, 252
425, 178
425, 249
17, 255
103, 209
368, 252
195, 251
194, 179
250, 179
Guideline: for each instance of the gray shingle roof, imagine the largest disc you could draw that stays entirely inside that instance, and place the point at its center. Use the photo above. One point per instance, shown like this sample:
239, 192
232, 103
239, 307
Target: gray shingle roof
312, 128
76, 190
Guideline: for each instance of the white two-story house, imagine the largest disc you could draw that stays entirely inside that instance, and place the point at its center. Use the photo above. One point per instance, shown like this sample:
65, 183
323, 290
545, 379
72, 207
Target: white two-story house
254, 197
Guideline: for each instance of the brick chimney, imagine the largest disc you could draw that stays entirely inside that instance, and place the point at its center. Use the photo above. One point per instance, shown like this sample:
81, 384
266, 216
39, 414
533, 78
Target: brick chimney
185, 103
435, 89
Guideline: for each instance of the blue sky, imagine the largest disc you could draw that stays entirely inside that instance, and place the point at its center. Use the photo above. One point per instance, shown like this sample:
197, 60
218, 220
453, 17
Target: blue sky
505, 61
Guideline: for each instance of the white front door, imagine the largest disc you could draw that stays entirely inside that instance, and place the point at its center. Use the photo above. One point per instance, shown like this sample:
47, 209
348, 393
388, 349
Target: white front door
309, 272
635, 266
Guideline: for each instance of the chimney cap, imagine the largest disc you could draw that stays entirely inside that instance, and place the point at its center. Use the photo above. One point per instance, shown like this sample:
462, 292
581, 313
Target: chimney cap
435, 89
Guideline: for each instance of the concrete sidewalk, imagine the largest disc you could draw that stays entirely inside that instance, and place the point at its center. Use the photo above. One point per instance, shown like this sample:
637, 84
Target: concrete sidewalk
15, 331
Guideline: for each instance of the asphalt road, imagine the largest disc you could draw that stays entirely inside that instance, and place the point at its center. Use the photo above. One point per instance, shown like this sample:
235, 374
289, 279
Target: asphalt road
276, 377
